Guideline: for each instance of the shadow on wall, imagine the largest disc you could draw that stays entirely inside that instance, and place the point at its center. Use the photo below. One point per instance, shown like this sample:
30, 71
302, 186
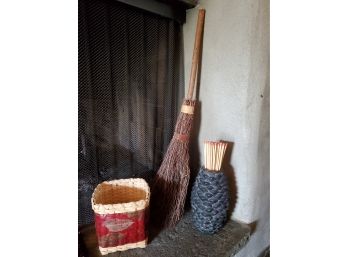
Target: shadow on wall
195, 161
266, 252
229, 172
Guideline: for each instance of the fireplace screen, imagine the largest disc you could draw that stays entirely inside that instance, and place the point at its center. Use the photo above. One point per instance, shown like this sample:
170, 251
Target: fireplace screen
130, 87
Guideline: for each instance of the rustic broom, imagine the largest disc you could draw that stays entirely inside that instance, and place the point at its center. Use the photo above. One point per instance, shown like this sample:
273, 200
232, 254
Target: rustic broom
171, 181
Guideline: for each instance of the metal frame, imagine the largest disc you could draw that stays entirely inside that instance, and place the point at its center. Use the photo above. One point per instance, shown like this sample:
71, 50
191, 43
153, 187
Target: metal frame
172, 11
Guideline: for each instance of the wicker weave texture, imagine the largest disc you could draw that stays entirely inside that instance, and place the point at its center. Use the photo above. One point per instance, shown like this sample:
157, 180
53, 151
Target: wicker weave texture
121, 248
209, 201
121, 214
121, 196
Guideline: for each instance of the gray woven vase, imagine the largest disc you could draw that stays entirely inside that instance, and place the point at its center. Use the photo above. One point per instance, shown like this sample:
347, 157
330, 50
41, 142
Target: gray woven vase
209, 201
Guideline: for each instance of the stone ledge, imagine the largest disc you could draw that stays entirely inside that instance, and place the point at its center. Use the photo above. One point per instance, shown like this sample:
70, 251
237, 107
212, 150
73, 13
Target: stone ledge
181, 241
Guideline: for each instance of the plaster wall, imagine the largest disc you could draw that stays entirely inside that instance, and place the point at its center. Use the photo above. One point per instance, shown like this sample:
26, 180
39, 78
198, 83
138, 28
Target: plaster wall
234, 102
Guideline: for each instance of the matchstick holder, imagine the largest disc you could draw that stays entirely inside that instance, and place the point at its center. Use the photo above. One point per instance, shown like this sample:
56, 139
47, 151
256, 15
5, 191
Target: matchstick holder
210, 201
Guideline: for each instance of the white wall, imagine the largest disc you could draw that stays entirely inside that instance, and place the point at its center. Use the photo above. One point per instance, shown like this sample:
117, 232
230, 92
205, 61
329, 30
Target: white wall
234, 96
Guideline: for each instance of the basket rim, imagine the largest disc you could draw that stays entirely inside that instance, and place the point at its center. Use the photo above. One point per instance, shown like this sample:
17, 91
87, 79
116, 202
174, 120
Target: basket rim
212, 173
122, 207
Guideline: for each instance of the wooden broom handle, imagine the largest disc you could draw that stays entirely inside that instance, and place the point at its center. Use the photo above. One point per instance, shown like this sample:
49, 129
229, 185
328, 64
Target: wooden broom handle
196, 53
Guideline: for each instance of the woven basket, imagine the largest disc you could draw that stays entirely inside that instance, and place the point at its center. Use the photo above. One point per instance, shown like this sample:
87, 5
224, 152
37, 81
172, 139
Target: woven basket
210, 201
121, 214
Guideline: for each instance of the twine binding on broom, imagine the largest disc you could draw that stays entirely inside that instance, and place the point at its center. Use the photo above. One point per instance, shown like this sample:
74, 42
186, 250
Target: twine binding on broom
187, 109
182, 137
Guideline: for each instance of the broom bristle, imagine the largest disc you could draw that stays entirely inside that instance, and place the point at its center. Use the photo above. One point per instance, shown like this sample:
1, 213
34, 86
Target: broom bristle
171, 181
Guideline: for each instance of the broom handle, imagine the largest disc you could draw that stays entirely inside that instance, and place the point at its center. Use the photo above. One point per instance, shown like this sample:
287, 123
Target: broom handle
196, 53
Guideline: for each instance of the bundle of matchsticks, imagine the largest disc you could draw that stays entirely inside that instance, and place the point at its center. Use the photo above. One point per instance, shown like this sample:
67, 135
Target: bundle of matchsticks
213, 154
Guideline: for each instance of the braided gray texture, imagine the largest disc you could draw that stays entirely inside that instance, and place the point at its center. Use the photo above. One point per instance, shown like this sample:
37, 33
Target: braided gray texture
209, 201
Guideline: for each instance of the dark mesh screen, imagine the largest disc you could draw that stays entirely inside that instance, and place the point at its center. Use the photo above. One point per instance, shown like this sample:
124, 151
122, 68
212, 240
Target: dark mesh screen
130, 85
